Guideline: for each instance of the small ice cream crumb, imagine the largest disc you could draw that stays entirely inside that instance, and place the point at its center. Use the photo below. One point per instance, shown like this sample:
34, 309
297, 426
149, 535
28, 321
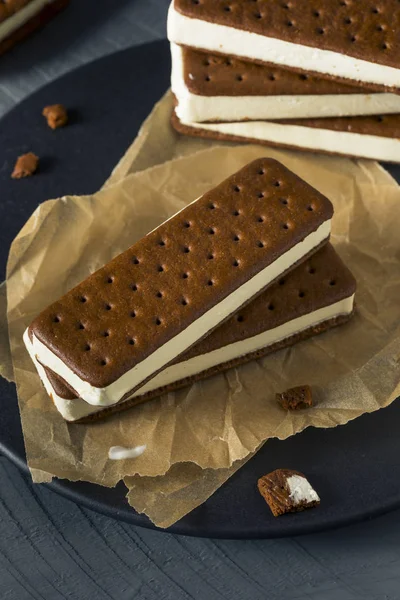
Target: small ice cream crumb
121, 453
300, 490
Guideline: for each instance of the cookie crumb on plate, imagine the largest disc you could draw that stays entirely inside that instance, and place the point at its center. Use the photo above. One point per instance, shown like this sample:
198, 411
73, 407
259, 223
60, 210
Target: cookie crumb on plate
287, 491
25, 166
56, 115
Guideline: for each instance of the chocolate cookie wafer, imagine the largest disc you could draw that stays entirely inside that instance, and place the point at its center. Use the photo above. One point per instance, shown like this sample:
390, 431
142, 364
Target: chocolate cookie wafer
127, 321
211, 87
374, 137
316, 296
20, 18
341, 39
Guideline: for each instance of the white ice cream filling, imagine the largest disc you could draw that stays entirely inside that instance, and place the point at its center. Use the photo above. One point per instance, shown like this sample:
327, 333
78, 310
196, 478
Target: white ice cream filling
300, 490
195, 108
185, 339
228, 40
121, 453
21, 17
299, 136
72, 410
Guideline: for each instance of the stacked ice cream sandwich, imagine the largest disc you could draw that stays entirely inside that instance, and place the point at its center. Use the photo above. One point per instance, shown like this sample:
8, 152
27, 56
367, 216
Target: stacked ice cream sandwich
321, 76
243, 271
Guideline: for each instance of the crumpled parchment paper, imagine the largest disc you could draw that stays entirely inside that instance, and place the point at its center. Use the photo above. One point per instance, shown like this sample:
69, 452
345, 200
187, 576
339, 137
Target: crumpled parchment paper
198, 437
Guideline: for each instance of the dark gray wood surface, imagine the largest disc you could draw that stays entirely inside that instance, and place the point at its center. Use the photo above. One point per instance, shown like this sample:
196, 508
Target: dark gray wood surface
51, 549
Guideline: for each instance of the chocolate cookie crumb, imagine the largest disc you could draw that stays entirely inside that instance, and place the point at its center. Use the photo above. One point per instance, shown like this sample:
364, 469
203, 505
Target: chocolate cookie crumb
296, 398
56, 115
25, 166
287, 491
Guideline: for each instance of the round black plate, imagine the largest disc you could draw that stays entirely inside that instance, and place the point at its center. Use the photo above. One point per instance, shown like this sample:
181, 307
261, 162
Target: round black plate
355, 469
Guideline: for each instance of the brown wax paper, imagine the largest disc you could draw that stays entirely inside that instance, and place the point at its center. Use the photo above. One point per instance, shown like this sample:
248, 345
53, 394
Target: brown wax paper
166, 499
353, 369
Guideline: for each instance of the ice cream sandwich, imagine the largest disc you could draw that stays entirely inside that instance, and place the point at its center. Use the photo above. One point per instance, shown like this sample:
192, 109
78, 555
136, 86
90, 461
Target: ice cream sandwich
316, 296
214, 88
339, 39
374, 137
117, 329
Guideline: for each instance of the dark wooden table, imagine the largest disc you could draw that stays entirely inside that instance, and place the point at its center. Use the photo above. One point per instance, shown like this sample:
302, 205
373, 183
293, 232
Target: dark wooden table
51, 549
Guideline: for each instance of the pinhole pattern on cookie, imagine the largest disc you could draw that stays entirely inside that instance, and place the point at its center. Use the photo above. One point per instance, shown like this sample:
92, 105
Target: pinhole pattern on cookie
378, 125
177, 273
213, 75
375, 27
307, 288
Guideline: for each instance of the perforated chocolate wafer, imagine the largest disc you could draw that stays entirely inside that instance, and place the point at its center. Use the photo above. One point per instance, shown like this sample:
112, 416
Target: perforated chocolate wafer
386, 126
337, 38
375, 137
316, 296
128, 320
20, 18
208, 74
215, 88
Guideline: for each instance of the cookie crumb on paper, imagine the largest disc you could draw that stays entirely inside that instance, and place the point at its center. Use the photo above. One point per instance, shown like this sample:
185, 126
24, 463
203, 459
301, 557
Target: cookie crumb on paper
296, 398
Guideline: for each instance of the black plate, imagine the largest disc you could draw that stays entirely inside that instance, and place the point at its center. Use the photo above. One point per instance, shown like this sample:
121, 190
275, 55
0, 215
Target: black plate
356, 468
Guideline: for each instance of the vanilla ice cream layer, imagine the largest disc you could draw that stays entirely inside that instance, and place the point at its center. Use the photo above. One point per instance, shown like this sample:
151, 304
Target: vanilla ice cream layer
21, 17
185, 339
228, 40
300, 490
73, 410
196, 109
311, 138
